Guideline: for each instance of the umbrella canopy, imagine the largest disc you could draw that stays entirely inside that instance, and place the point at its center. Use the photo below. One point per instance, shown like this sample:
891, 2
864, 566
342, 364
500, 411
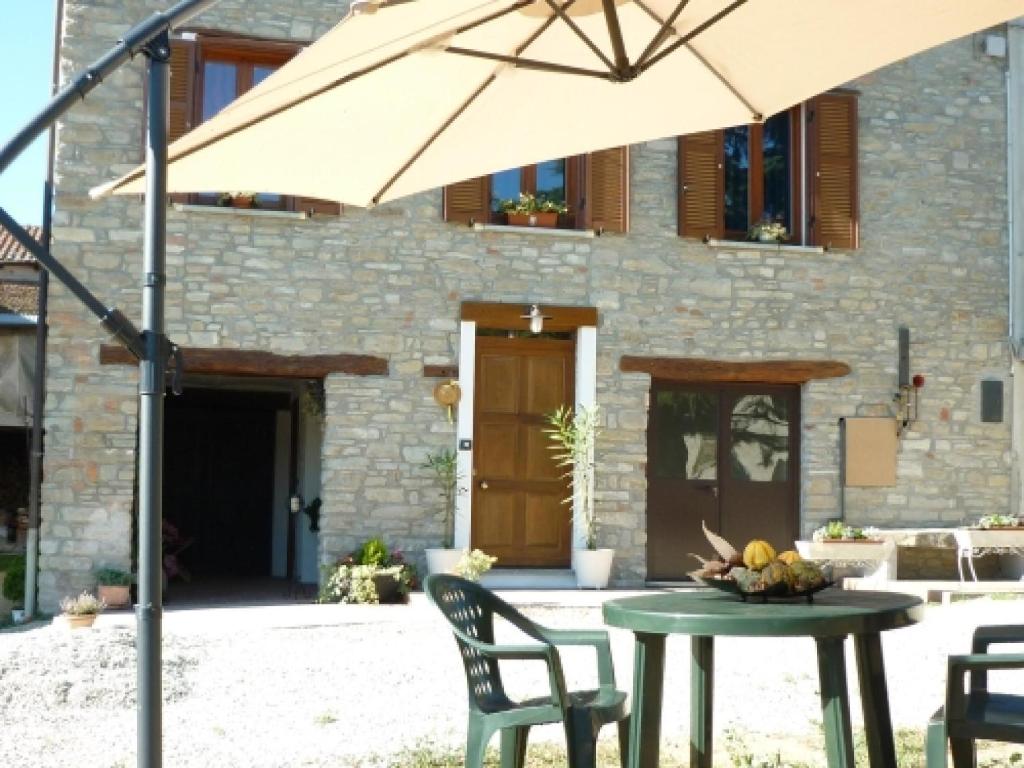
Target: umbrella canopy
404, 96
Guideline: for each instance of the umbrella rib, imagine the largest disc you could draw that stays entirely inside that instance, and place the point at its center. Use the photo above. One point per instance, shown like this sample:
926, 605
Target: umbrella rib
274, 112
683, 40
659, 38
433, 137
541, 29
755, 113
542, 66
560, 12
611, 17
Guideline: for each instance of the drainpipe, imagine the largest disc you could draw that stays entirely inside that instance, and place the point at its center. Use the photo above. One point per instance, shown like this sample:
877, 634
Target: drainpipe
1015, 182
39, 384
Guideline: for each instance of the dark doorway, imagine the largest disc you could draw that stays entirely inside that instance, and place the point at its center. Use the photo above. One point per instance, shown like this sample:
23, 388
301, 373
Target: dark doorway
219, 480
727, 456
14, 480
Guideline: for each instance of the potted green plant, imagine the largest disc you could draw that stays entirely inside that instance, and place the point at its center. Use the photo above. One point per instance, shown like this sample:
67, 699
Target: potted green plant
12, 579
113, 587
371, 574
532, 211
768, 232
473, 565
81, 611
446, 472
574, 435
238, 200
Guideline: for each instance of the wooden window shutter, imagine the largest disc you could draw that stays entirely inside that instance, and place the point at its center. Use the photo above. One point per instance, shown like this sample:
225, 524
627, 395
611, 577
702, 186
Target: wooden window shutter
606, 194
183, 70
314, 207
181, 102
832, 133
701, 185
468, 202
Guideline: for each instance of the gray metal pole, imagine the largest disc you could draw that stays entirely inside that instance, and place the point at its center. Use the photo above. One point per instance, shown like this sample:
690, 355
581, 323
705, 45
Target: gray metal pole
38, 398
149, 611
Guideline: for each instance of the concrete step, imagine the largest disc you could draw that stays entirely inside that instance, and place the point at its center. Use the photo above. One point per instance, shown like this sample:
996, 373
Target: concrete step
529, 578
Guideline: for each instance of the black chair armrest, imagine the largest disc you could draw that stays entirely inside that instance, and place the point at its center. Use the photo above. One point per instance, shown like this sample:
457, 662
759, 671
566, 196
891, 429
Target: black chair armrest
540, 652
990, 635
977, 663
598, 638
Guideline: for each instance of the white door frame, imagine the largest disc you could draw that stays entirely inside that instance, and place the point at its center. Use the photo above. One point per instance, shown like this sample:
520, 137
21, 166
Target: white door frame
586, 396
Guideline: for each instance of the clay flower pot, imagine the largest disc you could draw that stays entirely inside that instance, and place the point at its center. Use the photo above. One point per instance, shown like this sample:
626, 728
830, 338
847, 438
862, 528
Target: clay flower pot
80, 621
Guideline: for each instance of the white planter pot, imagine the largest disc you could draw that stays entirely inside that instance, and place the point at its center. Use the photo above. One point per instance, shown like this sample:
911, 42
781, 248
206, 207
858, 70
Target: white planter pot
443, 560
18, 615
593, 567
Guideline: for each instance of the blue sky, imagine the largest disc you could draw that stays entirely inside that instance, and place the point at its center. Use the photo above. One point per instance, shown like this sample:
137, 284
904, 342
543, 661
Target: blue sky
26, 60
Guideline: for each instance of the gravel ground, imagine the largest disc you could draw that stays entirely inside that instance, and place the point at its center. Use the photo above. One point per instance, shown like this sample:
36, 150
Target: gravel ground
356, 685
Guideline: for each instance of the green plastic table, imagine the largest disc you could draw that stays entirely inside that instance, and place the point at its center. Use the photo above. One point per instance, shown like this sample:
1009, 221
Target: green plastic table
705, 614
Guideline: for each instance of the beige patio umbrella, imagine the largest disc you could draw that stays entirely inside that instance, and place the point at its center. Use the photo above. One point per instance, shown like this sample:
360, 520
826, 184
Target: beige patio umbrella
406, 96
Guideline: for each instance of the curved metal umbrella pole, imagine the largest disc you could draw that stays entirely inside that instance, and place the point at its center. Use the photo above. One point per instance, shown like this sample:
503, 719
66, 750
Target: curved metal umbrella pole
151, 346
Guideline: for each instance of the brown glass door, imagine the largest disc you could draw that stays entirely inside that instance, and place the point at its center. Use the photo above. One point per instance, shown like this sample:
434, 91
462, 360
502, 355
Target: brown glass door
727, 456
518, 489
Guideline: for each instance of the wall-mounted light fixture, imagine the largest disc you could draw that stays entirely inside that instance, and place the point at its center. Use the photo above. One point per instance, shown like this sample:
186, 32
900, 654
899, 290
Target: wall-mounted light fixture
536, 318
906, 398
907, 390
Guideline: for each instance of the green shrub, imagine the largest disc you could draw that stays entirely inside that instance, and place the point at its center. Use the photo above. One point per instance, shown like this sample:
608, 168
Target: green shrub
14, 579
372, 552
113, 577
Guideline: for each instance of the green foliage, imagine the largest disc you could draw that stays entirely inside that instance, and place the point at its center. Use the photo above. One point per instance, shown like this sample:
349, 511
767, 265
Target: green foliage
83, 605
372, 552
574, 436
999, 521
446, 470
113, 577
13, 568
527, 203
355, 578
473, 565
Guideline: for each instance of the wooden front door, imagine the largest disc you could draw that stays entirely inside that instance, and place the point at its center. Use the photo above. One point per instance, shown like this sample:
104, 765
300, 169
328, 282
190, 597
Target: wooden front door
727, 456
518, 489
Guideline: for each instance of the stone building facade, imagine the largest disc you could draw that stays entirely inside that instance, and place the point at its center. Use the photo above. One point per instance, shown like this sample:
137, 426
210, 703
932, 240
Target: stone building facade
389, 282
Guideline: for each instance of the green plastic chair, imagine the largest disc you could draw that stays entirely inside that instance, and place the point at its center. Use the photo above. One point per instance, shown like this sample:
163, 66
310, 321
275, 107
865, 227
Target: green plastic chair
976, 713
470, 609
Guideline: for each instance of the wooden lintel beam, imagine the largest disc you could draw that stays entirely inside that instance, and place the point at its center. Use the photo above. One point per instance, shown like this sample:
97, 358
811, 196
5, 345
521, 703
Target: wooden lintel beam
699, 371
244, 362
509, 316
441, 371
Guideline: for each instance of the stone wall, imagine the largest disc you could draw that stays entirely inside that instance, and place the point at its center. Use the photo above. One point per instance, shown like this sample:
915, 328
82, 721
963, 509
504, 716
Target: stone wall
390, 282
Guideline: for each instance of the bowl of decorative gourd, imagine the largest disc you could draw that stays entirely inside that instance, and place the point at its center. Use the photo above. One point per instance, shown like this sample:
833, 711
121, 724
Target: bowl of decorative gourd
758, 572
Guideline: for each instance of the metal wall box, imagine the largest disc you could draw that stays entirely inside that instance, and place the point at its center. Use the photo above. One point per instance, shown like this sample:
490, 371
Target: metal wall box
992, 401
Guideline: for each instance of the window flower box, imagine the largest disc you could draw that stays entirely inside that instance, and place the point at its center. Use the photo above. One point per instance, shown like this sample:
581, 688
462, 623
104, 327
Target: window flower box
547, 219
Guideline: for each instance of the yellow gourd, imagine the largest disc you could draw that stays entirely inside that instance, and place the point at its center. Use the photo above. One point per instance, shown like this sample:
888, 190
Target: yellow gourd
790, 556
757, 554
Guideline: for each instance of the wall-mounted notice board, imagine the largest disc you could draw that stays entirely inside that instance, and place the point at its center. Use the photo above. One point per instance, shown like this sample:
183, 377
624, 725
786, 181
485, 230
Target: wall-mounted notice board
869, 452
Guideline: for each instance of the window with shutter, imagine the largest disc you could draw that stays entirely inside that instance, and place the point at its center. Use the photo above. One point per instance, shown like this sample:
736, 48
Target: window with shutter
733, 179
606, 206
832, 128
592, 188
210, 72
700, 185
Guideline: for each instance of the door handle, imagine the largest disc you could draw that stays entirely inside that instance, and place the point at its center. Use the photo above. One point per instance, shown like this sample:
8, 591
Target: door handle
483, 485
712, 489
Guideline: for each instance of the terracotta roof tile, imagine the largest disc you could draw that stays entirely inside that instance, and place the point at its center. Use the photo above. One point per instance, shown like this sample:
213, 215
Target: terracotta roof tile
11, 251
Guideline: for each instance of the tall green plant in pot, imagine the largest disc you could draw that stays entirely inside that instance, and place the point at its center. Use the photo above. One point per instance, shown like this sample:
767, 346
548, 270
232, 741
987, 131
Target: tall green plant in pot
574, 436
445, 466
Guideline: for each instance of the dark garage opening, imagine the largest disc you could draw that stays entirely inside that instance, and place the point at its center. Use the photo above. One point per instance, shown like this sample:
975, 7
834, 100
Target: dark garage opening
219, 488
